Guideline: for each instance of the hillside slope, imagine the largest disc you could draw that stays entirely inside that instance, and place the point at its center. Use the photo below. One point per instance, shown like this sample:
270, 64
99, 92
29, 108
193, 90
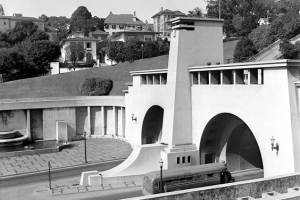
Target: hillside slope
68, 84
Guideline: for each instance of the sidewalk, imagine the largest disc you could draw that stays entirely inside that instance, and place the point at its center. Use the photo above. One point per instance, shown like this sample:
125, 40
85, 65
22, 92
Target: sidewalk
98, 150
73, 187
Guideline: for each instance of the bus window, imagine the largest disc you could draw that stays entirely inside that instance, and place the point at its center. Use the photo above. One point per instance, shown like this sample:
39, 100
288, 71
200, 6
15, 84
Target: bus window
156, 185
175, 181
182, 180
210, 175
189, 179
168, 183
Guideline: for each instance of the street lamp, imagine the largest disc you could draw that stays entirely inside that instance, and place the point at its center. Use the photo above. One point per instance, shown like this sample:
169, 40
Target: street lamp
161, 166
84, 137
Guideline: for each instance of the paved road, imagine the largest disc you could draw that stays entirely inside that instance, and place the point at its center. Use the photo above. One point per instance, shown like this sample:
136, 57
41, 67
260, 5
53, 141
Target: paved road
98, 150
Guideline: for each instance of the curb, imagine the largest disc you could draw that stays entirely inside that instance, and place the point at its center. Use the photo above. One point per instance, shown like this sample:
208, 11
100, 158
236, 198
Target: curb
43, 172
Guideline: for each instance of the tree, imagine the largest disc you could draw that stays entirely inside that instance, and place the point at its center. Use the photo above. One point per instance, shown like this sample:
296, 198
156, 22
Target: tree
89, 60
259, 37
21, 31
287, 50
96, 23
245, 12
164, 47
197, 12
151, 49
244, 50
75, 53
79, 20
38, 35
11, 61
39, 54
115, 51
61, 23
133, 50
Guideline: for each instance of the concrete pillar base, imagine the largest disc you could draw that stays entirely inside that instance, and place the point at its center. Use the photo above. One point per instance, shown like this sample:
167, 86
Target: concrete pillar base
180, 156
85, 176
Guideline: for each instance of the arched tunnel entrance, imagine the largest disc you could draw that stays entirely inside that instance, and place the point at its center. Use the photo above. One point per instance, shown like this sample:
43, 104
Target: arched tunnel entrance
152, 125
226, 137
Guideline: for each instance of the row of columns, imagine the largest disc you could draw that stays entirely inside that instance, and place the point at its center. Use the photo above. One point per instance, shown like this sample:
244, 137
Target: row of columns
116, 122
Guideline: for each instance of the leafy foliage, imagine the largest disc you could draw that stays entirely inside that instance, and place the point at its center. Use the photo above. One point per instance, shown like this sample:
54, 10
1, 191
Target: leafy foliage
133, 50
11, 61
244, 49
89, 60
61, 23
115, 51
38, 55
287, 50
95, 86
79, 20
75, 53
196, 12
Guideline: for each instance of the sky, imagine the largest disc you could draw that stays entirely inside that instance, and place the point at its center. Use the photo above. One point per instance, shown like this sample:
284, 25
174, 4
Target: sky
145, 9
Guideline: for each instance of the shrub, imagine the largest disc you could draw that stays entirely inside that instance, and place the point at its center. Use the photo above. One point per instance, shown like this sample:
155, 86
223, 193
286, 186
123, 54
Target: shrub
95, 86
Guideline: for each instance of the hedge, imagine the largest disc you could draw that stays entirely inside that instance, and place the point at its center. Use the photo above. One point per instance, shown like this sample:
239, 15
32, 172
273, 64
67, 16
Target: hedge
95, 86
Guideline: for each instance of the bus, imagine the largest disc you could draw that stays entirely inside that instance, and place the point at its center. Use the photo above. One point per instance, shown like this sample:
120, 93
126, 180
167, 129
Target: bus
186, 178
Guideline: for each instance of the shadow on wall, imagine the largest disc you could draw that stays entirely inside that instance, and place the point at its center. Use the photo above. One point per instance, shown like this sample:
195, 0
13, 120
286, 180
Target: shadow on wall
152, 125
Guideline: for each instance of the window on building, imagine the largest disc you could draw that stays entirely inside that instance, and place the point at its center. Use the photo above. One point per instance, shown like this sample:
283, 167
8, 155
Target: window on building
131, 37
189, 159
107, 26
133, 27
178, 160
121, 26
113, 26
147, 37
4, 23
88, 45
183, 159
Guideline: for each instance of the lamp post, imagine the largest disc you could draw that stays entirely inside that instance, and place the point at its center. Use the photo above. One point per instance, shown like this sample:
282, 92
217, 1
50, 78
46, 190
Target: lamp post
84, 137
161, 166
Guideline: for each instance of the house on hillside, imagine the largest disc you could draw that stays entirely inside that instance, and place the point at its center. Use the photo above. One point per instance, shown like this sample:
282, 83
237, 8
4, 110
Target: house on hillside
89, 45
133, 34
99, 35
161, 21
116, 23
9, 22
52, 32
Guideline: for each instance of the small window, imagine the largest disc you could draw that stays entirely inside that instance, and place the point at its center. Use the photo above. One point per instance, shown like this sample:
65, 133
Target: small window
121, 26
178, 160
210, 175
4, 23
113, 26
189, 159
133, 26
107, 26
88, 45
131, 37
147, 37
183, 159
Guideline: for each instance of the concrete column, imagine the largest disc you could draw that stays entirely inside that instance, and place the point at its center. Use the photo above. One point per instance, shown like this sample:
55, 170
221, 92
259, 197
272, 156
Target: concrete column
88, 131
259, 76
28, 126
221, 77
103, 120
234, 77
123, 121
209, 78
115, 121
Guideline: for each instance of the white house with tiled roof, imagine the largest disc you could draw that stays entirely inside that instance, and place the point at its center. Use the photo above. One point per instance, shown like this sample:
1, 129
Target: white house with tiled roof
88, 43
100, 35
9, 22
161, 21
115, 23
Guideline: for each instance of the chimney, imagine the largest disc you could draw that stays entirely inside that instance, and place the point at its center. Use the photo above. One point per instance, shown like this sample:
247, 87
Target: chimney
161, 9
17, 15
134, 14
